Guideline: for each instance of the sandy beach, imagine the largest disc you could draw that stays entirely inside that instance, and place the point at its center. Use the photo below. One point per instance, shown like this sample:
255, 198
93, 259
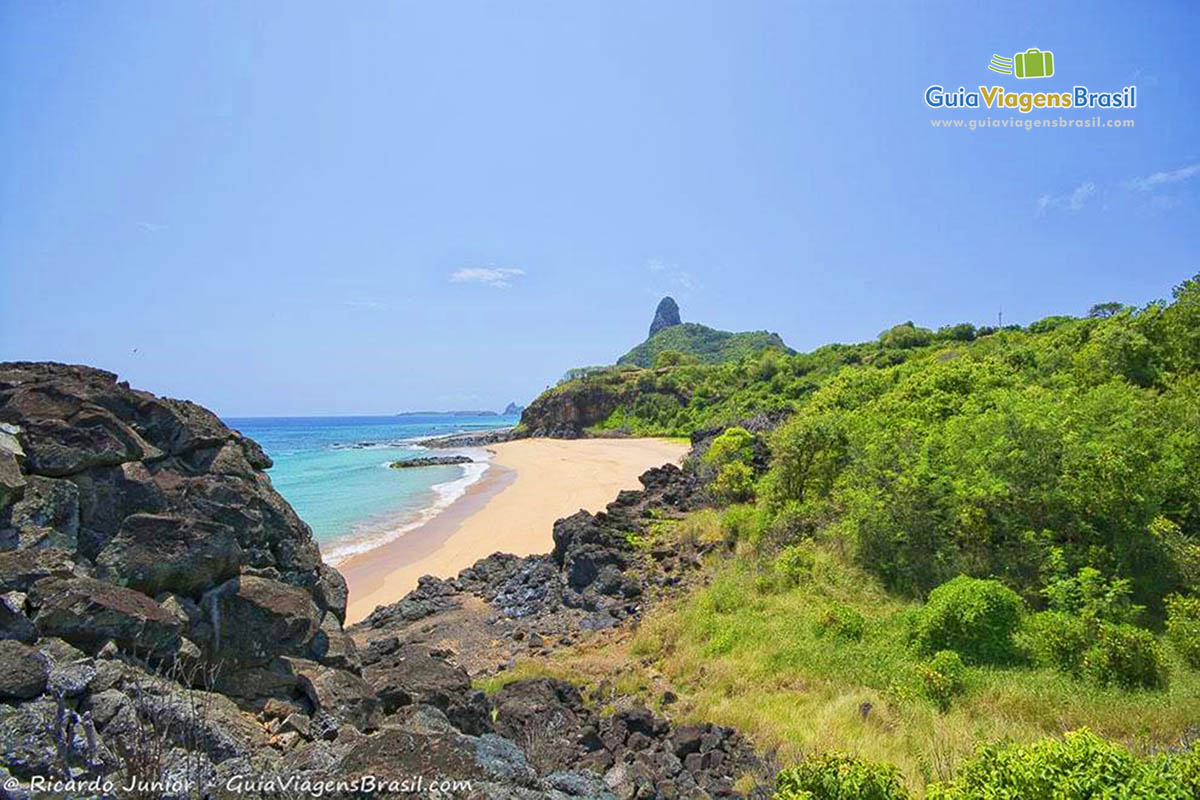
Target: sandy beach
511, 509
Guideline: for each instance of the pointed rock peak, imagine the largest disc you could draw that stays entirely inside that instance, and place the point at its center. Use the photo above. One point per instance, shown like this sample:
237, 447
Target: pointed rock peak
666, 315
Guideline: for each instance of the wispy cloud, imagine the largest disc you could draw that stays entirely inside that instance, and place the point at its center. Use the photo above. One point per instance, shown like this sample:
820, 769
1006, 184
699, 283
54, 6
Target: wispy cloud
363, 304
150, 227
1072, 202
499, 278
1164, 178
670, 275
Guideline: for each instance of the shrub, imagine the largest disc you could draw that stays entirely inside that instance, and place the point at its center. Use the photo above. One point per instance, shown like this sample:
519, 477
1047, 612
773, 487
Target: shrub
740, 523
1125, 656
1090, 595
1079, 766
733, 445
840, 621
943, 678
674, 358
809, 451
1055, 639
794, 564
734, 483
789, 524
1183, 627
973, 617
839, 776
906, 335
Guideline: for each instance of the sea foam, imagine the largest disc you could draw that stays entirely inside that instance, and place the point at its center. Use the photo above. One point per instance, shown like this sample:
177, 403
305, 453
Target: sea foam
369, 535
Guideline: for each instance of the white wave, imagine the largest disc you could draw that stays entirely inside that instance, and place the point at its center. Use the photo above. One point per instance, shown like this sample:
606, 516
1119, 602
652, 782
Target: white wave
368, 536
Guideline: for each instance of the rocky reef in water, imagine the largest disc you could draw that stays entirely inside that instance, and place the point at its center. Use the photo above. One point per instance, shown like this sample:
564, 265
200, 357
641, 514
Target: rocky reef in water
165, 614
430, 461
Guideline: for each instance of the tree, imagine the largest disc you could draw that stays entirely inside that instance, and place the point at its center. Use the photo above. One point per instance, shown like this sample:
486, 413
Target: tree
674, 358
1105, 310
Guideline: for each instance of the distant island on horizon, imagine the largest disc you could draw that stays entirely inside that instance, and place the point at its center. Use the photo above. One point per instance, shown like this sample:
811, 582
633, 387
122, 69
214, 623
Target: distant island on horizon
512, 409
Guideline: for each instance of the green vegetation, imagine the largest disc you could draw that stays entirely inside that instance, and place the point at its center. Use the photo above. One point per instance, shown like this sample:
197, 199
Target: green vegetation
1183, 627
943, 678
973, 618
1079, 765
964, 536
839, 776
699, 344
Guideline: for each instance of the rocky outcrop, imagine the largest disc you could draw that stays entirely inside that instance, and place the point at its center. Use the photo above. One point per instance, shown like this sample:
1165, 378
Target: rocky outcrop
474, 439
639, 753
431, 461
143, 552
512, 410
665, 316
565, 411
405, 675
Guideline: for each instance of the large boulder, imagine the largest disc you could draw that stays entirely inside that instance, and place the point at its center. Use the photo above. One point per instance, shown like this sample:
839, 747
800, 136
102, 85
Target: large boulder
23, 671
414, 674
89, 613
161, 552
338, 693
168, 463
254, 619
47, 515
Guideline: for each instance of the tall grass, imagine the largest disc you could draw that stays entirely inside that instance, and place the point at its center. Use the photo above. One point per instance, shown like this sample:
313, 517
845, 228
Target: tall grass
751, 653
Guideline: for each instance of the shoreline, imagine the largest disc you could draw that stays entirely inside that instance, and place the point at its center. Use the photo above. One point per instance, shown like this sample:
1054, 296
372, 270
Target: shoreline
511, 508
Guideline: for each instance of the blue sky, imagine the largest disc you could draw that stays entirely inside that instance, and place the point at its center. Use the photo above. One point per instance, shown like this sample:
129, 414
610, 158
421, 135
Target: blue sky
263, 206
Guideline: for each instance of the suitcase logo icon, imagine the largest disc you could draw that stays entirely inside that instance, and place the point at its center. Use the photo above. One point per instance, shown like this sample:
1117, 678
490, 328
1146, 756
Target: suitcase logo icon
1033, 63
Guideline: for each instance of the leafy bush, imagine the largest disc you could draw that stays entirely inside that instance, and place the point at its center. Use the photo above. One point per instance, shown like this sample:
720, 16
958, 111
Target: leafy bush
794, 564
840, 621
1080, 766
735, 444
1089, 595
809, 452
973, 617
962, 332
905, 335
674, 358
734, 483
839, 776
1125, 656
740, 522
1183, 627
943, 678
1055, 639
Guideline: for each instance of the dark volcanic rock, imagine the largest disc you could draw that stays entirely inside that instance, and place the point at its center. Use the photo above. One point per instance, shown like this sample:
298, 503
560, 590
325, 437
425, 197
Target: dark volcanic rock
254, 619
23, 671
147, 495
14, 624
160, 552
412, 674
431, 596
87, 613
431, 461
665, 316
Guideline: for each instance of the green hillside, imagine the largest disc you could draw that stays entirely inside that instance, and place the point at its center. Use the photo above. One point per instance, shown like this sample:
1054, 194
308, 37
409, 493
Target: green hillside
963, 539
707, 345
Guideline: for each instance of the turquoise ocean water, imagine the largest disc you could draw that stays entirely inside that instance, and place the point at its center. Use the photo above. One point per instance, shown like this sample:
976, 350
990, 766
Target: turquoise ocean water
334, 471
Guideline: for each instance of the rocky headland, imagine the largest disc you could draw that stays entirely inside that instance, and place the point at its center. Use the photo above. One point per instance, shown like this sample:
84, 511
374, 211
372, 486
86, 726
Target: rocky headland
164, 614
